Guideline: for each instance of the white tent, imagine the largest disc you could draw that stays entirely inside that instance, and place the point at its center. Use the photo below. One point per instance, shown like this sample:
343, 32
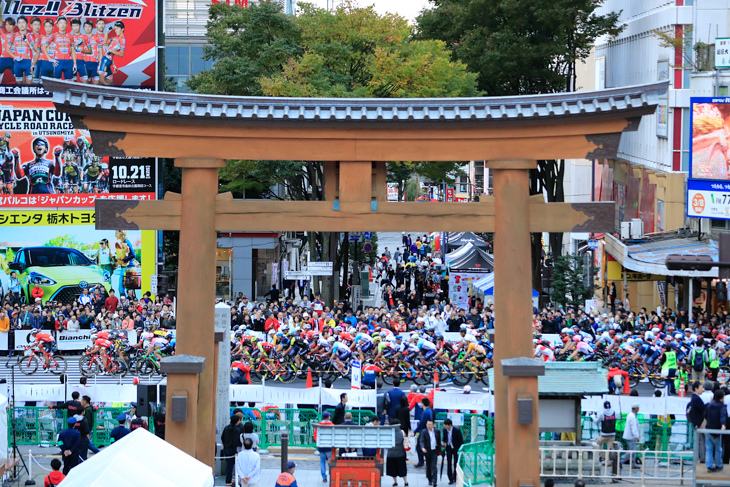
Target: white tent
140, 459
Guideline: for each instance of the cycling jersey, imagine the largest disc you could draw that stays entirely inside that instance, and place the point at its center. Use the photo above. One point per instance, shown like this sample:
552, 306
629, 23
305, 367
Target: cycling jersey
71, 170
102, 343
6, 40
63, 45
80, 42
545, 353
116, 44
92, 172
104, 335
39, 174
43, 338
96, 43
21, 45
50, 48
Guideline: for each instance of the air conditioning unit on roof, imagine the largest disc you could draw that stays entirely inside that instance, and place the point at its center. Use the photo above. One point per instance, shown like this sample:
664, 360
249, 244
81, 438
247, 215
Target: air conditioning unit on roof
637, 229
625, 230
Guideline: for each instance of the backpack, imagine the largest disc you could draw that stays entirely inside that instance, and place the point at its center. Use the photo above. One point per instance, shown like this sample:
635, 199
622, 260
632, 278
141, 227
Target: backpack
608, 425
698, 364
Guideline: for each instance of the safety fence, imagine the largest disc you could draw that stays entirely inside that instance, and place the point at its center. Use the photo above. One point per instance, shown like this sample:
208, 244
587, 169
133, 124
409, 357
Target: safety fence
40, 425
476, 463
641, 466
661, 434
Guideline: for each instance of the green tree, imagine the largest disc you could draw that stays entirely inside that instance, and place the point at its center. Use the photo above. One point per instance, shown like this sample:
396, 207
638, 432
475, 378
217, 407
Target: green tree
569, 283
246, 44
353, 52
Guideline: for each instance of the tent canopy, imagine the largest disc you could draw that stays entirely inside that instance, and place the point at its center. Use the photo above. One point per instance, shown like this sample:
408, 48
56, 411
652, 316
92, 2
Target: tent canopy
126, 464
471, 258
485, 285
459, 239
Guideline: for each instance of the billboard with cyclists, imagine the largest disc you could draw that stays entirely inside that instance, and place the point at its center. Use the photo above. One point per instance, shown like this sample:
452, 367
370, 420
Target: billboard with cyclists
58, 256
46, 162
104, 42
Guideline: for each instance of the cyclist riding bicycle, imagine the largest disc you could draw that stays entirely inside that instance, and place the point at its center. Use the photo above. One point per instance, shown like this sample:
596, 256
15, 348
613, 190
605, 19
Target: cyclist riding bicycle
44, 342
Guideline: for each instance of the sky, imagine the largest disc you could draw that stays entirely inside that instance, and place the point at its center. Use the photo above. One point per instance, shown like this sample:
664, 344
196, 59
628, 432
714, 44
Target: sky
406, 8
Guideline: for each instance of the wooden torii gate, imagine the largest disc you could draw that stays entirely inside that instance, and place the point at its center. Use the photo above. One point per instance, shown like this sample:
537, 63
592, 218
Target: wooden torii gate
355, 138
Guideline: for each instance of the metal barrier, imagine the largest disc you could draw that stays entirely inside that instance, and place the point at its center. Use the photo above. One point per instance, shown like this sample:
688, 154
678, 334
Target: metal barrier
359, 416
661, 467
40, 426
672, 435
476, 463
476, 427
299, 423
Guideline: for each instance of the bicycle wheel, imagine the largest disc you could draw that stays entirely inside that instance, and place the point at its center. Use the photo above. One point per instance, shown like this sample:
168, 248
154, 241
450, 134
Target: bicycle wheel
57, 365
28, 364
656, 380
117, 367
462, 376
88, 366
146, 368
288, 374
388, 377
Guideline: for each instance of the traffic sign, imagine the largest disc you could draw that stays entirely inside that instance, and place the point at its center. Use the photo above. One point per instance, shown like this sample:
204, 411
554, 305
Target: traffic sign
320, 268
368, 247
367, 235
593, 244
355, 236
356, 371
296, 275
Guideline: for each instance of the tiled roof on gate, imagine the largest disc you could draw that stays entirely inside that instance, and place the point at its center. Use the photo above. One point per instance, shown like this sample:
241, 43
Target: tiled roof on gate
622, 102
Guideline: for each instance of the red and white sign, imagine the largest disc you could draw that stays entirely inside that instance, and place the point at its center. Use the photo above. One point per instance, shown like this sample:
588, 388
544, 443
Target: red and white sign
392, 191
449, 195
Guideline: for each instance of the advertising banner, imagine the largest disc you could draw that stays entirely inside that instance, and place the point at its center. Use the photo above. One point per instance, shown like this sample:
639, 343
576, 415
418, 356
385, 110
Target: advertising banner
73, 340
46, 162
60, 254
392, 191
459, 285
107, 42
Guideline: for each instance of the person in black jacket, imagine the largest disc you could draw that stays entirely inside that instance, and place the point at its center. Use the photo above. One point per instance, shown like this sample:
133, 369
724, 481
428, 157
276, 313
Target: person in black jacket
231, 439
696, 414
339, 416
429, 442
716, 417
451, 441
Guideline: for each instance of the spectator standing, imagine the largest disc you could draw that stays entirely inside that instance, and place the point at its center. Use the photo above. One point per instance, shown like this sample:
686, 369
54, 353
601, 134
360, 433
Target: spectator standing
120, 431
339, 416
286, 479
631, 435
371, 452
403, 415
324, 453
429, 442
393, 400
451, 441
249, 433
696, 414
90, 417
69, 441
231, 440
248, 465
396, 465
111, 303
716, 417
56, 476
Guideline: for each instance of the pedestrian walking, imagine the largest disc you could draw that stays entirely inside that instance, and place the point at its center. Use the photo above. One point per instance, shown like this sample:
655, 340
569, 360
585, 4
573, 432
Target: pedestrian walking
430, 445
716, 417
403, 415
395, 465
451, 441
631, 436
426, 416
607, 427
392, 400
248, 465
70, 443
286, 479
324, 453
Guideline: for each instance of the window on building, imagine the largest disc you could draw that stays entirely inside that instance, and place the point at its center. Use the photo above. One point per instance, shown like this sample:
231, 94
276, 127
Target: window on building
184, 61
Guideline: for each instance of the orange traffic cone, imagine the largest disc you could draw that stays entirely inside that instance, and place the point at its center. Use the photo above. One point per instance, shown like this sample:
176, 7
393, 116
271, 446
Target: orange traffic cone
309, 378
681, 392
436, 376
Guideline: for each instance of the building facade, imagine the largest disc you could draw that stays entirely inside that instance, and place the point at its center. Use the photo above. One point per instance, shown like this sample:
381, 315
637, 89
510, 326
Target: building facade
648, 178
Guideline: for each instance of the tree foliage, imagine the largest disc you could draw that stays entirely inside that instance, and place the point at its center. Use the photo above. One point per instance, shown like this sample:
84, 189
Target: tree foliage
518, 46
246, 44
569, 284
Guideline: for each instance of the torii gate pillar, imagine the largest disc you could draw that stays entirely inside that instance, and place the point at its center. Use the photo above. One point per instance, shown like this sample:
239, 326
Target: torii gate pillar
515, 461
195, 310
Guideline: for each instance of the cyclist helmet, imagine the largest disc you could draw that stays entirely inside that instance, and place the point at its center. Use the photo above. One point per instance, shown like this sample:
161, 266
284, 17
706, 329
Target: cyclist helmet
398, 337
576, 338
463, 327
169, 336
338, 329
34, 332
238, 334
565, 330
649, 335
439, 336
94, 336
611, 332
330, 339
383, 334
67, 138
638, 340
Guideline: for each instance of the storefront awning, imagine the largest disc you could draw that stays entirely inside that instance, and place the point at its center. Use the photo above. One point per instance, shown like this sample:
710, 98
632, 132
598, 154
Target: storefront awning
648, 257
